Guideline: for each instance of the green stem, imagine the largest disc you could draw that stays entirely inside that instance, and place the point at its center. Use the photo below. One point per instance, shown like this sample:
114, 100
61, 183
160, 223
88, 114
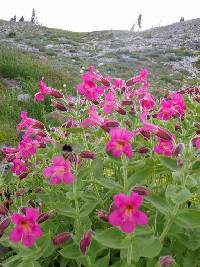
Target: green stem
129, 255
76, 207
169, 223
124, 169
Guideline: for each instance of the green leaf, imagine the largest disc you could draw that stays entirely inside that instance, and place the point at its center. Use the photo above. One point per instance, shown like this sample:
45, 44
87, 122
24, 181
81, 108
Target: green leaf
11, 261
103, 262
71, 251
159, 203
196, 167
110, 184
177, 194
148, 246
169, 163
188, 218
112, 238
97, 168
64, 210
88, 207
140, 176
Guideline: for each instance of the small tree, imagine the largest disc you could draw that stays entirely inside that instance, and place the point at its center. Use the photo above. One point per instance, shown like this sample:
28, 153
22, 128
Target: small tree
13, 19
21, 19
139, 21
182, 19
33, 16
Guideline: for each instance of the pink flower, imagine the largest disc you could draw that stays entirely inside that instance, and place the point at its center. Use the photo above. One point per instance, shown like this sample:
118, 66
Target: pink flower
94, 118
39, 97
28, 147
147, 102
118, 84
27, 122
126, 214
19, 166
164, 147
88, 88
110, 103
196, 142
26, 231
119, 142
59, 171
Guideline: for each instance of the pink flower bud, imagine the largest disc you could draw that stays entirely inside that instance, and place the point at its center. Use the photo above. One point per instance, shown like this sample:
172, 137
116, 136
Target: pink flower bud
86, 241
130, 82
23, 175
23, 210
120, 110
87, 155
166, 261
59, 106
4, 224
145, 133
37, 190
20, 192
143, 150
43, 217
164, 134
197, 125
104, 81
101, 214
55, 93
3, 209
141, 190
31, 203
38, 124
127, 102
61, 238
178, 149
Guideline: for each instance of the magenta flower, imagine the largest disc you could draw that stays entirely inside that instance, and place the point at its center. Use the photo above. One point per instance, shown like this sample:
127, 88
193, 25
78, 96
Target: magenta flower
118, 84
109, 104
26, 231
59, 171
147, 102
27, 122
119, 142
19, 166
88, 88
28, 147
164, 147
94, 118
126, 214
39, 97
196, 142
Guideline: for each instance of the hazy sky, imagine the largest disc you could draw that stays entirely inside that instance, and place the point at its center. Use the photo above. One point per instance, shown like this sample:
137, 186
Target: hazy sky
89, 15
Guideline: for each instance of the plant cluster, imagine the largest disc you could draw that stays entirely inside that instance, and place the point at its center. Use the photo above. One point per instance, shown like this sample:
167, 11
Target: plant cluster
115, 185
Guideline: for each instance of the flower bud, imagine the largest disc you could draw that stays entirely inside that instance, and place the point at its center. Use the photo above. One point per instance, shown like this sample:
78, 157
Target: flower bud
164, 134
59, 106
120, 110
197, 125
166, 261
145, 133
31, 203
43, 217
37, 190
101, 214
55, 93
61, 238
86, 241
3, 209
104, 81
38, 124
177, 127
127, 102
23, 175
87, 155
4, 224
141, 190
130, 82
23, 210
178, 149
20, 192
132, 111
143, 150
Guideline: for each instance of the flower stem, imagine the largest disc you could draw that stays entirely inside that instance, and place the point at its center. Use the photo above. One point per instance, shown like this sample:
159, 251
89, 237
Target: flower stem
169, 223
124, 169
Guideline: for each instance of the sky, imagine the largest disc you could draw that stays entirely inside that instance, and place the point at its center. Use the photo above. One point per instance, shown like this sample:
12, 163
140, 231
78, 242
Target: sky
93, 15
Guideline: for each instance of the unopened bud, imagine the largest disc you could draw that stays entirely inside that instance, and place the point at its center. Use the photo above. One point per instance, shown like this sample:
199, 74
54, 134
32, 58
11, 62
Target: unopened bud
143, 150
120, 110
130, 82
141, 190
87, 155
20, 192
38, 125
59, 106
180, 162
127, 102
37, 190
86, 241
31, 203
3, 209
178, 149
197, 125
164, 134
101, 214
145, 133
55, 93
23, 175
43, 217
177, 127
166, 261
61, 238
4, 224
104, 81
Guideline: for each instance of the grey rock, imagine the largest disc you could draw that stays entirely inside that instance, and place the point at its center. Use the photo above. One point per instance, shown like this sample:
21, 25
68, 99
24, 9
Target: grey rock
23, 98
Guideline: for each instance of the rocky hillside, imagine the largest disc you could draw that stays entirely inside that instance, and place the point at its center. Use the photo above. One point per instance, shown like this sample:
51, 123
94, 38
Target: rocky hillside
172, 53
